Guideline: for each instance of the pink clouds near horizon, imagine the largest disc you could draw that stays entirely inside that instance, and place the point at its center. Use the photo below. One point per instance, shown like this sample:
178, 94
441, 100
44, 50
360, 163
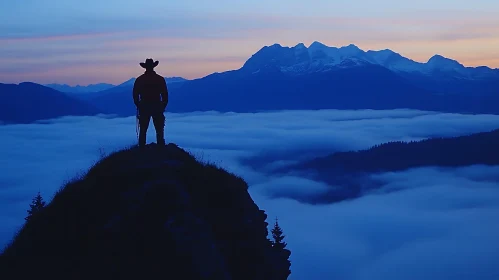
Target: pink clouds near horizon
219, 43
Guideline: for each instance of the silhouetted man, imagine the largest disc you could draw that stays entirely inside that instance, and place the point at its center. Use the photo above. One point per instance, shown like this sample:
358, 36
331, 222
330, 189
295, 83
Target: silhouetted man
150, 95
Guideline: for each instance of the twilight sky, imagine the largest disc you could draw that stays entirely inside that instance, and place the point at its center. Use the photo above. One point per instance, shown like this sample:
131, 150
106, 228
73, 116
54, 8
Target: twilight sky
91, 41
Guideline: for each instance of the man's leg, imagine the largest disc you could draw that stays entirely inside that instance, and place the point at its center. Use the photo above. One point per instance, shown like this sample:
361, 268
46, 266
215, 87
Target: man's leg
145, 117
159, 124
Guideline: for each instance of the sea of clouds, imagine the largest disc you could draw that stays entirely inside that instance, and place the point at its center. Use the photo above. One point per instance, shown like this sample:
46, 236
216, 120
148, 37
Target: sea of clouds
424, 223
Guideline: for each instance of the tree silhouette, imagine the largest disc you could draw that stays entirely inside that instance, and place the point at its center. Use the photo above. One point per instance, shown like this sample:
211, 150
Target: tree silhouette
278, 236
283, 254
37, 204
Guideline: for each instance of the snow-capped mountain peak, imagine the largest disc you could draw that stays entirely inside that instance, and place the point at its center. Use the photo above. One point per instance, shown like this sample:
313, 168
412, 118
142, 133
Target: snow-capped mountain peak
319, 57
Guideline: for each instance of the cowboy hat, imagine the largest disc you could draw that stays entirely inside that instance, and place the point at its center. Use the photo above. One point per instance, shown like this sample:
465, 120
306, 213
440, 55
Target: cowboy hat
149, 64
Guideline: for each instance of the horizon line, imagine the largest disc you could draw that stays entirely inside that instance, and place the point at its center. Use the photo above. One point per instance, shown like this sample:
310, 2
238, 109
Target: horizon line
269, 45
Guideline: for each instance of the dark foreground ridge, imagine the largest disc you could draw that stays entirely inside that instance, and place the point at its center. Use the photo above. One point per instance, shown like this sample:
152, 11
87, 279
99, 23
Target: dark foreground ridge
155, 213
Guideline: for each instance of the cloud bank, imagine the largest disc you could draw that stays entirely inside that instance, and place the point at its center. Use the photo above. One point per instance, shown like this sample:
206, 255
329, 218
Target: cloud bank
426, 223
442, 228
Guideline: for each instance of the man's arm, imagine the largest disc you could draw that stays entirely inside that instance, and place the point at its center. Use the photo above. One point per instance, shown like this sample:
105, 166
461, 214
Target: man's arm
164, 93
136, 93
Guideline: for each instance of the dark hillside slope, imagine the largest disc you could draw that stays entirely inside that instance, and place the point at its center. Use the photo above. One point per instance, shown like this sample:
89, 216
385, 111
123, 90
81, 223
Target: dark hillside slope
479, 148
350, 173
152, 213
371, 87
367, 87
29, 102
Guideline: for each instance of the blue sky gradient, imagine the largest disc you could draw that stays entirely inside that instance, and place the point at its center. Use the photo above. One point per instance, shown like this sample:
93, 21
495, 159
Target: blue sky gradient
82, 42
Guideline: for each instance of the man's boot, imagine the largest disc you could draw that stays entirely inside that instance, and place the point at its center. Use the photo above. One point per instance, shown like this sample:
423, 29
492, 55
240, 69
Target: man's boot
142, 139
142, 134
160, 137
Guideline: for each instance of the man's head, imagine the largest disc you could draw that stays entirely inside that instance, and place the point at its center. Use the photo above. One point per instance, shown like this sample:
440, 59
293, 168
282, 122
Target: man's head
149, 64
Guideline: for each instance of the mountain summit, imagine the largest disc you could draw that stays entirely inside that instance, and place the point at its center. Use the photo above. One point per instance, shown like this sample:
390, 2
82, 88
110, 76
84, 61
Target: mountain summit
319, 58
149, 213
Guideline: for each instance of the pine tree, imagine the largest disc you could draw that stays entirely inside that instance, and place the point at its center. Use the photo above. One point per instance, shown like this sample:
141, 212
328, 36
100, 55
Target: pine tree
37, 204
278, 236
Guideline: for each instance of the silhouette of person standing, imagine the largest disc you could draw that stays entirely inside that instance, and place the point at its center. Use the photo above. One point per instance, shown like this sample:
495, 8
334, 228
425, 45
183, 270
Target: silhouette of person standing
150, 95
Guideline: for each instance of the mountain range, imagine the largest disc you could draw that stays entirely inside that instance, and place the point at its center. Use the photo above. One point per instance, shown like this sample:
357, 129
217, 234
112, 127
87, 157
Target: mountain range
80, 89
322, 77
130, 81
438, 74
92, 88
351, 172
320, 58
29, 102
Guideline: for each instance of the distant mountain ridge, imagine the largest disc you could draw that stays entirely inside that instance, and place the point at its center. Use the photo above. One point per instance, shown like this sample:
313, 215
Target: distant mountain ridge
322, 77
471, 149
130, 81
80, 89
29, 102
319, 58
92, 88
351, 172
